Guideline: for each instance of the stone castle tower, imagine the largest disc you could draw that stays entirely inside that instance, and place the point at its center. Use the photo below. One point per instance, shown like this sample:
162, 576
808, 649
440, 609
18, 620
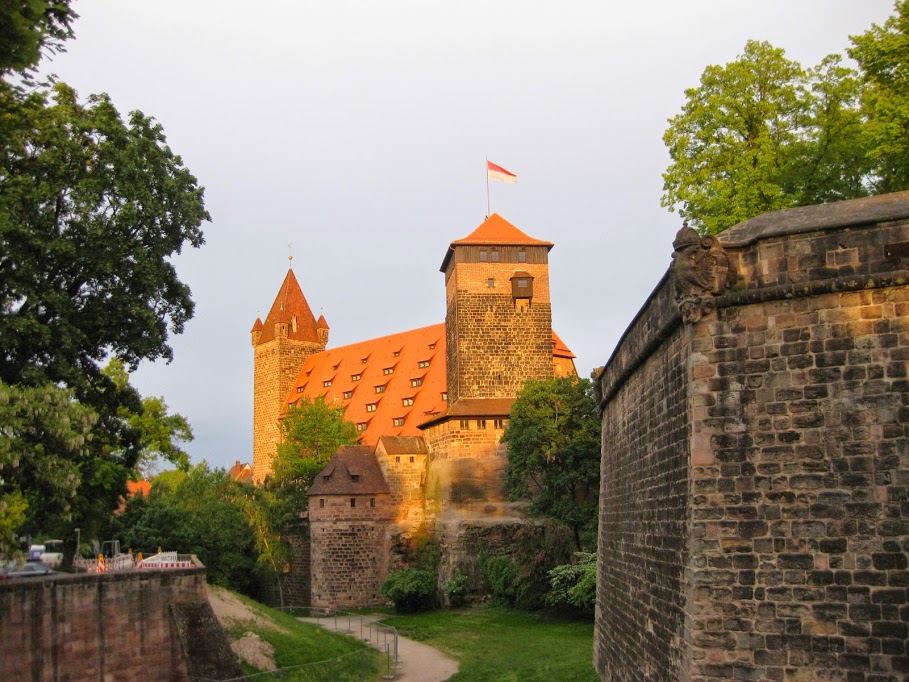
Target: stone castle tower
498, 316
281, 344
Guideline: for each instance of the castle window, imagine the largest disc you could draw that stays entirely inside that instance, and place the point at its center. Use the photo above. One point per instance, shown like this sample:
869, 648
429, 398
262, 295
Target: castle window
484, 255
388, 370
398, 421
348, 395
414, 383
522, 283
300, 389
481, 424
495, 255
423, 363
522, 256
361, 426
355, 478
432, 346
491, 283
407, 402
363, 360
411, 459
372, 502
465, 424
355, 377
397, 353
499, 423
326, 383
326, 478
397, 460
353, 502
381, 389
371, 407
445, 395
321, 503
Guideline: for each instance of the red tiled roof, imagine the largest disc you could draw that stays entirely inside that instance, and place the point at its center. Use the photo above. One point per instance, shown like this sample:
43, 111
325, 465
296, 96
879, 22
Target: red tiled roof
390, 362
559, 349
474, 407
257, 326
241, 472
290, 303
369, 360
352, 471
496, 230
134, 488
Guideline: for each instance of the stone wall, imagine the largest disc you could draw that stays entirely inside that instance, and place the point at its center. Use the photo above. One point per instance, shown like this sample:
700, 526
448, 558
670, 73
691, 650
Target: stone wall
295, 581
756, 460
349, 549
114, 626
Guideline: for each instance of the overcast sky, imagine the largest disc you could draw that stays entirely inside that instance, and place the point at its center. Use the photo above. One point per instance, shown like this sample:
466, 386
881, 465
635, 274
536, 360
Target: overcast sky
358, 131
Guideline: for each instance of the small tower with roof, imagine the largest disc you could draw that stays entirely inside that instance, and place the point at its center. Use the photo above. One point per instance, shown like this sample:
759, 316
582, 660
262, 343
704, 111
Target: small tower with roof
281, 344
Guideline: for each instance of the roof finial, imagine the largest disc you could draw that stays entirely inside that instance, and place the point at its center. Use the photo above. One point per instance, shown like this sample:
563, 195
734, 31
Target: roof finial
290, 255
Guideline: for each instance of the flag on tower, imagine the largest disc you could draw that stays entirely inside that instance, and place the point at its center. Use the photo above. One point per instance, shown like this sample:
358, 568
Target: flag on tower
494, 172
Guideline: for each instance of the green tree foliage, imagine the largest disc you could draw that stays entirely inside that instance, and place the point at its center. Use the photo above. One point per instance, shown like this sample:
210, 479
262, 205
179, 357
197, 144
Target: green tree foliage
411, 589
160, 432
44, 442
882, 53
28, 27
92, 207
553, 439
311, 432
575, 585
196, 512
761, 134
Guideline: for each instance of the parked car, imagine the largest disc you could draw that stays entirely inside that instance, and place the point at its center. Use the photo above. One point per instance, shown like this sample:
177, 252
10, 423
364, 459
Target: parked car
29, 569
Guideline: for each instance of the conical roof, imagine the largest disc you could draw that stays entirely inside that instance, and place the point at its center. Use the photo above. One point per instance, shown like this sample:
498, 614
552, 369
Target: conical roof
290, 307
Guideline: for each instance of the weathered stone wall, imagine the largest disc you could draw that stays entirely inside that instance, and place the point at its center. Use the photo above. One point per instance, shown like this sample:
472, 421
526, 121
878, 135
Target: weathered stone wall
785, 529
349, 549
406, 477
114, 626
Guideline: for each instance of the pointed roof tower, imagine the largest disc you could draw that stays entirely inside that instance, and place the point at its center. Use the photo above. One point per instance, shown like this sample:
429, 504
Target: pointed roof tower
290, 308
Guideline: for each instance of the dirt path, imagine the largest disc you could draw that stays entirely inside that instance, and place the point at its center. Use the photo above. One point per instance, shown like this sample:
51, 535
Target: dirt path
417, 662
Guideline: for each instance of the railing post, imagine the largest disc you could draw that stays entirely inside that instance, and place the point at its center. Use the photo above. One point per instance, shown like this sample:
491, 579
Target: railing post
362, 664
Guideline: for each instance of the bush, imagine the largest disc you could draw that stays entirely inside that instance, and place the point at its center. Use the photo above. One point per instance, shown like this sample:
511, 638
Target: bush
411, 589
575, 585
456, 590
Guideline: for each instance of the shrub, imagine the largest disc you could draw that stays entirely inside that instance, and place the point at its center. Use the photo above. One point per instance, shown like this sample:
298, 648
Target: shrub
575, 584
456, 590
411, 589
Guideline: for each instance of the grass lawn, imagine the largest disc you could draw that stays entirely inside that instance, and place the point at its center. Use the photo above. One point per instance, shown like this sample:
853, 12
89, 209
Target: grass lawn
495, 644
303, 643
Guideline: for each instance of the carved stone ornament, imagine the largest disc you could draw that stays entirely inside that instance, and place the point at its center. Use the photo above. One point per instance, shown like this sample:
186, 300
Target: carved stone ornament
700, 272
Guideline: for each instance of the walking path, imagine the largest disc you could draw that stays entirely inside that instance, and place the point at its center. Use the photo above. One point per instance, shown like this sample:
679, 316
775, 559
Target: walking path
417, 662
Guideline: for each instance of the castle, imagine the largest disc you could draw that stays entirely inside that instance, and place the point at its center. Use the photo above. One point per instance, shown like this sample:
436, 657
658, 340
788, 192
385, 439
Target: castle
430, 405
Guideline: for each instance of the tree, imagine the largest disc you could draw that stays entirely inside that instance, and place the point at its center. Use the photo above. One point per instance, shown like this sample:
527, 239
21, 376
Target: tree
311, 432
762, 134
91, 210
882, 53
28, 27
553, 439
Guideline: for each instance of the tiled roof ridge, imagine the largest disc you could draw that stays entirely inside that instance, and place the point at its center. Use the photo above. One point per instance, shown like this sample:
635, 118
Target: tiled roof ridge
338, 349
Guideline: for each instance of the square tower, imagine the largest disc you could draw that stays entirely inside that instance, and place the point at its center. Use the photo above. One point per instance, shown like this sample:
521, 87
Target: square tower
499, 317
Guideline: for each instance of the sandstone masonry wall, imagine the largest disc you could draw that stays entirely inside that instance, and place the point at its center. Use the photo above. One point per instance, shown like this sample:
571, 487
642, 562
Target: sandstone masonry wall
779, 547
114, 626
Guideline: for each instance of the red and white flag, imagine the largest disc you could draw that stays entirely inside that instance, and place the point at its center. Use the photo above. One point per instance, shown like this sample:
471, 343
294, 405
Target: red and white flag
494, 172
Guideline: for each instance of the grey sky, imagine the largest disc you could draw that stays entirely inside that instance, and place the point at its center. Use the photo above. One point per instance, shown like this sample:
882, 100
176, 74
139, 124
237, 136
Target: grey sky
358, 131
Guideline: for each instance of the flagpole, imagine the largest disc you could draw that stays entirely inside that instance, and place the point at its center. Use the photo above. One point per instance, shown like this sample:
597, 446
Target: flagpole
487, 187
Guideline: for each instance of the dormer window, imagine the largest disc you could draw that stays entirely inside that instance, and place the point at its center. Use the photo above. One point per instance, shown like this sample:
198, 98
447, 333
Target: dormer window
363, 360
398, 421
407, 402
362, 426
326, 383
348, 395
388, 370
432, 346
445, 395
423, 363
300, 389
397, 353
371, 407
414, 383
355, 478
355, 377
380, 389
